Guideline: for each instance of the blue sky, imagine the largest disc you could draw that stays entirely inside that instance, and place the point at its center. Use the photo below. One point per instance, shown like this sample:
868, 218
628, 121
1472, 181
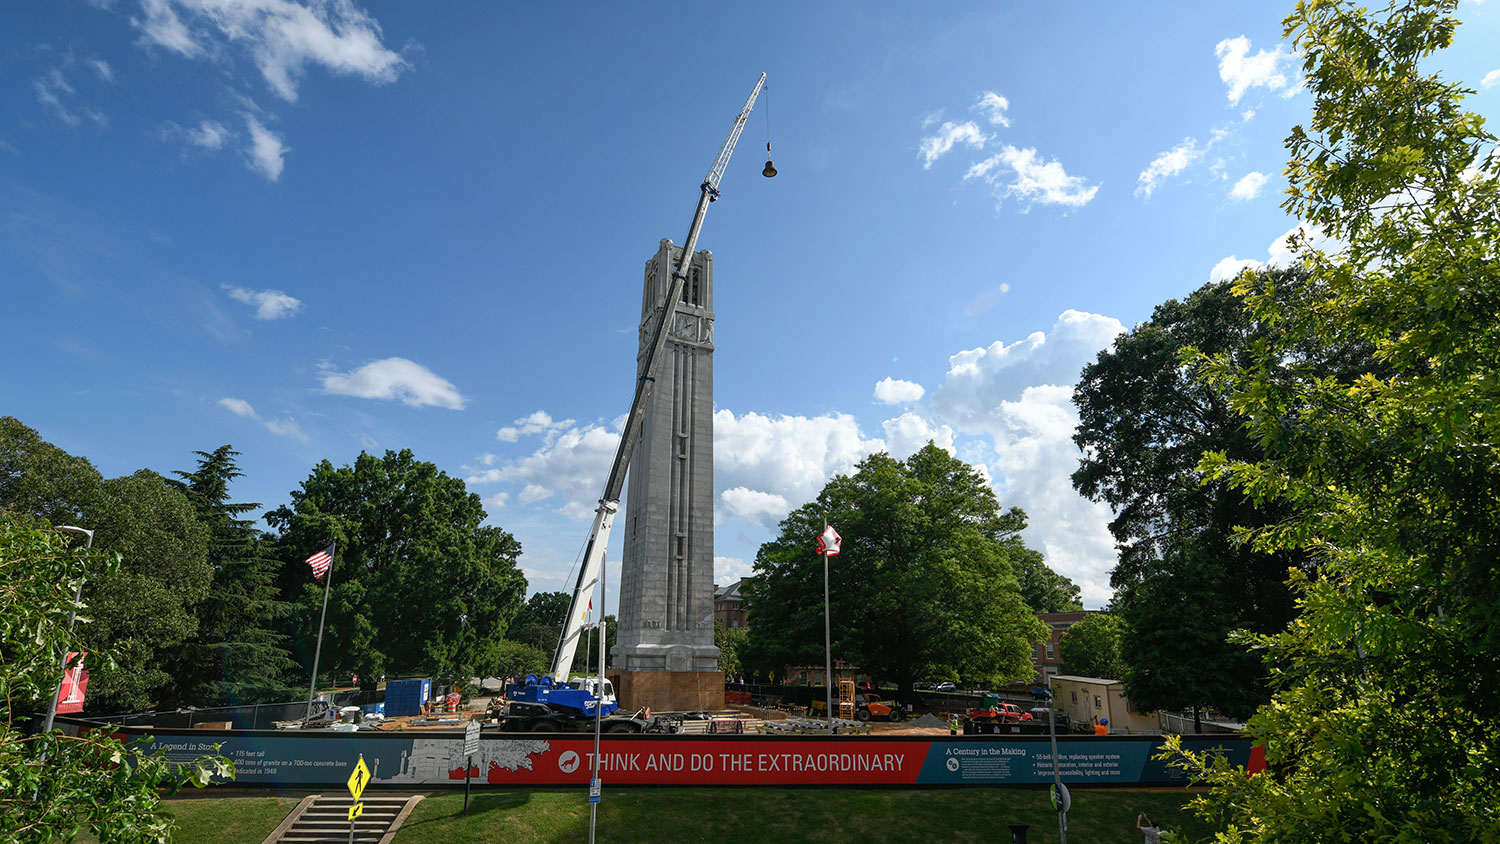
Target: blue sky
310, 228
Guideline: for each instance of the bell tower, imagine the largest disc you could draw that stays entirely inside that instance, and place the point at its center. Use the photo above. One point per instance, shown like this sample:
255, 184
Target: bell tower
664, 656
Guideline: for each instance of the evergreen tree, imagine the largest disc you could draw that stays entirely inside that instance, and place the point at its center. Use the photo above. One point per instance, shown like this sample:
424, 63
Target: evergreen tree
239, 654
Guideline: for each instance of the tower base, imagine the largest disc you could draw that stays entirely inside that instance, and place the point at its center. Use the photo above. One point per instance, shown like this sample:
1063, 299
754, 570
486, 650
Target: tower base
669, 691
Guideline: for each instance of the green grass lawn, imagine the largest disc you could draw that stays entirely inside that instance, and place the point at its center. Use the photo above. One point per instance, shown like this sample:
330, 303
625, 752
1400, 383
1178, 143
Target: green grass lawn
725, 816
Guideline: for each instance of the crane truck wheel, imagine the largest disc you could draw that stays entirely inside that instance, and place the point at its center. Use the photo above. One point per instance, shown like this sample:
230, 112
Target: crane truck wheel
621, 727
544, 726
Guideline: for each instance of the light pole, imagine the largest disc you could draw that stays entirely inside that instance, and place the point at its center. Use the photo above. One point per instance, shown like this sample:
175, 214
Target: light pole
72, 617
1059, 791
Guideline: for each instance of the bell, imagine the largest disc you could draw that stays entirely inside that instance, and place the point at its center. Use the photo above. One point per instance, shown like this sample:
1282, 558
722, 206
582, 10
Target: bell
770, 169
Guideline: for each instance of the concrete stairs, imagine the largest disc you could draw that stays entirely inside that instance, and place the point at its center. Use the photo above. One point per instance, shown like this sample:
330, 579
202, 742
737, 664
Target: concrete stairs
323, 818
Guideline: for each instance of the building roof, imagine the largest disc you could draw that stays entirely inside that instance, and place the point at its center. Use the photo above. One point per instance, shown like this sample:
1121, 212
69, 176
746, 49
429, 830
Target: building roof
1078, 679
730, 592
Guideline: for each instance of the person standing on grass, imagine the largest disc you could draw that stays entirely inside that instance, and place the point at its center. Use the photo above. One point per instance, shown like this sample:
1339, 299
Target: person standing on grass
1148, 828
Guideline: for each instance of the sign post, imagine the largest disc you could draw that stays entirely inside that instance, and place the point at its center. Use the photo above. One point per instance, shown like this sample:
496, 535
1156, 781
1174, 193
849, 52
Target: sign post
357, 782
471, 747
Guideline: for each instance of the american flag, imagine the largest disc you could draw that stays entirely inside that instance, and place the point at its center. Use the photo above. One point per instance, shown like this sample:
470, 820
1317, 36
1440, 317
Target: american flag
321, 561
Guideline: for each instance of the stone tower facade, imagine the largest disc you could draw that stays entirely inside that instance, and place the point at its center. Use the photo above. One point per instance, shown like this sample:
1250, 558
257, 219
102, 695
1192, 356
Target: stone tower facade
666, 608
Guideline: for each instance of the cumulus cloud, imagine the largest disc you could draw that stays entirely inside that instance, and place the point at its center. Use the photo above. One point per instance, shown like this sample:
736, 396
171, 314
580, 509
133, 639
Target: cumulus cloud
893, 391
1022, 175
1166, 165
1490, 79
751, 505
1242, 71
540, 422
282, 37
790, 456
993, 107
1018, 396
906, 434
286, 427
727, 570
1278, 254
569, 466
949, 135
395, 378
1231, 267
1248, 187
266, 150
269, 304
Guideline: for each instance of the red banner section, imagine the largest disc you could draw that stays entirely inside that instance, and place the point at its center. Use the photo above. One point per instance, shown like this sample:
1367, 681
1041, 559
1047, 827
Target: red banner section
721, 762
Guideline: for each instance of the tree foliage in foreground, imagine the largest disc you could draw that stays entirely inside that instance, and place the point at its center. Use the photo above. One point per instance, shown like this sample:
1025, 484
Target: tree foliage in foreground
419, 583
142, 610
924, 586
1384, 722
53, 785
1182, 584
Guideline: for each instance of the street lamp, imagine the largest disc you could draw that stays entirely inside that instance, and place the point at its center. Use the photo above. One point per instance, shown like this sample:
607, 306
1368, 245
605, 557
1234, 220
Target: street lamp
72, 617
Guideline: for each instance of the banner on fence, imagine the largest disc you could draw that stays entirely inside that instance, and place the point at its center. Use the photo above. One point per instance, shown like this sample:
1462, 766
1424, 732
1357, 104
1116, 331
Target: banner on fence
295, 758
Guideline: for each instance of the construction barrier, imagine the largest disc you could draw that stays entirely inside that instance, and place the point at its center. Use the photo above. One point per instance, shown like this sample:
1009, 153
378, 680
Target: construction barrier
429, 758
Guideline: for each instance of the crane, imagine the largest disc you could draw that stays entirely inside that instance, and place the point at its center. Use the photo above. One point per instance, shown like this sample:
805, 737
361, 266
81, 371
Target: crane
609, 503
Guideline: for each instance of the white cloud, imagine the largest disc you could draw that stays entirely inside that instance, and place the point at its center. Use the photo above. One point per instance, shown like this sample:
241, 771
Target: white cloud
239, 407
1247, 114
102, 68
948, 135
1242, 71
789, 456
906, 434
1019, 396
395, 378
727, 570
1278, 254
894, 391
266, 150
210, 134
56, 94
1166, 165
498, 500
287, 427
269, 304
993, 106
570, 465
1248, 187
750, 505
1230, 267
539, 422
1035, 180
1490, 79
282, 37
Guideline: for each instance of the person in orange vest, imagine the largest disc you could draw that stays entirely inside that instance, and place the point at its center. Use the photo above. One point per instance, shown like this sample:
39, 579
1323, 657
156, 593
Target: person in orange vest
1101, 726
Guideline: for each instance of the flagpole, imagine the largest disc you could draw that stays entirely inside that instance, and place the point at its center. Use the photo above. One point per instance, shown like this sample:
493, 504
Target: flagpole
327, 585
827, 639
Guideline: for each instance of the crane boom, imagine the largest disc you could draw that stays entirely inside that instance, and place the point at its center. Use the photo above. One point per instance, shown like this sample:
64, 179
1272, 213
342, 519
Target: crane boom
593, 555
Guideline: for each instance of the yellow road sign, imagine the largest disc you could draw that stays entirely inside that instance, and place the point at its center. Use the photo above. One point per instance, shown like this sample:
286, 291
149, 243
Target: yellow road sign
360, 778
356, 810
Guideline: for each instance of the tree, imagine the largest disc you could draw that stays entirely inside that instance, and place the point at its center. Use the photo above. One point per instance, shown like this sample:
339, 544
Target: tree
1091, 647
1043, 589
1383, 726
731, 643
507, 658
56, 785
142, 610
239, 653
924, 585
1182, 584
586, 655
419, 584
540, 622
